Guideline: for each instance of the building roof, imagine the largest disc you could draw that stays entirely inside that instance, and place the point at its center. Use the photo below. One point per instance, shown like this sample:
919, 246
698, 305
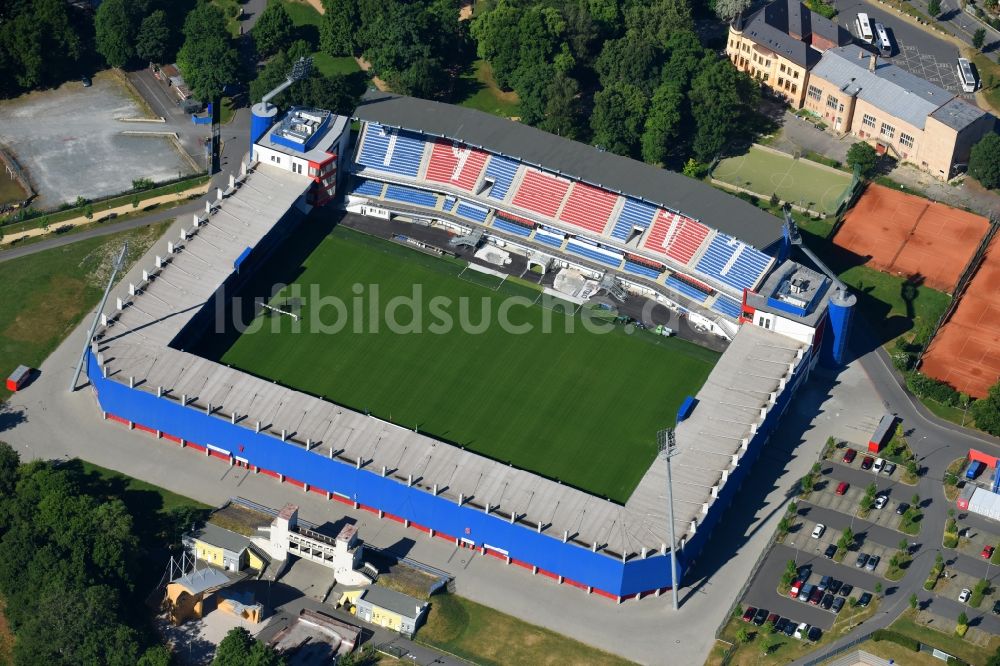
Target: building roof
394, 601
889, 88
221, 538
786, 27
958, 114
668, 189
202, 580
311, 134
796, 290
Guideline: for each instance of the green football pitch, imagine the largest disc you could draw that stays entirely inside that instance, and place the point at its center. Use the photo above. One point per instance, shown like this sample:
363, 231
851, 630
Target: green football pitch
798, 181
582, 407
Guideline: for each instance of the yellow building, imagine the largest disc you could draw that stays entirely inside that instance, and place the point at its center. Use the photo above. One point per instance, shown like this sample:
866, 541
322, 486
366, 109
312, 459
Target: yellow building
899, 113
780, 43
223, 548
388, 608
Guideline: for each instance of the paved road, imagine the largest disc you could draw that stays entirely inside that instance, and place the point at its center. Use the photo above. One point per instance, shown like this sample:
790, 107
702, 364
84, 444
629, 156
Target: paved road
864, 531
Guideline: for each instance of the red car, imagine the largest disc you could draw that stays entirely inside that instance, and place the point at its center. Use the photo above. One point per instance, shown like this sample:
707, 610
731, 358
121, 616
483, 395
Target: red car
794, 592
816, 595
867, 462
842, 488
849, 456
748, 615
987, 552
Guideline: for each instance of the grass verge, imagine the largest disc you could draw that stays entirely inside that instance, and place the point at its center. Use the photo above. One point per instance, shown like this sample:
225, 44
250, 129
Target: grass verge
907, 625
55, 289
137, 494
486, 636
482, 92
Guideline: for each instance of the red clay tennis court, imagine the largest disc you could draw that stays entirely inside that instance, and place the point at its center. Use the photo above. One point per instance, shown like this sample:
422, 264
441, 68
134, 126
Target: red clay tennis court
966, 350
907, 235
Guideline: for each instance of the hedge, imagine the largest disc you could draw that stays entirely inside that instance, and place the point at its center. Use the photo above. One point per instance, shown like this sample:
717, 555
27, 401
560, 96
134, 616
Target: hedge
896, 637
926, 387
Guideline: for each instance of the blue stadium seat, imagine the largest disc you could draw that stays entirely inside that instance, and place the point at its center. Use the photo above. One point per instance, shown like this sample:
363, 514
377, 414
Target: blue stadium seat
727, 306
408, 195
371, 188
689, 290
641, 269
502, 171
733, 263
554, 241
407, 149
471, 212
634, 214
591, 252
510, 227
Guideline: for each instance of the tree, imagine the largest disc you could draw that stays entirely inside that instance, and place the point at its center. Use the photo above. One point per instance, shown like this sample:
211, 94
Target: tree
878, 589
630, 59
9, 462
158, 655
914, 601
863, 157
723, 100
661, 137
963, 624
984, 166
208, 59
658, 20
915, 500
153, 40
340, 22
31, 33
846, 539
498, 41
116, 23
563, 115
742, 636
239, 648
617, 119
791, 571
934, 8
727, 10
273, 29
978, 38
903, 544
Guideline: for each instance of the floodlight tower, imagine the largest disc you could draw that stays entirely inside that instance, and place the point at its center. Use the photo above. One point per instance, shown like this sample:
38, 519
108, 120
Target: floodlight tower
666, 443
263, 113
116, 267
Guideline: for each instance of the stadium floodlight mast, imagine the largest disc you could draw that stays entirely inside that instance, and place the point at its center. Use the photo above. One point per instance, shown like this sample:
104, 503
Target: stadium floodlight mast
118, 265
300, 70
666, 444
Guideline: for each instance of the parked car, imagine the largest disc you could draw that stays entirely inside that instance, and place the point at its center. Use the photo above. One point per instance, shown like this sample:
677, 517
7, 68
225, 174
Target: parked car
772, 618
901, 508
86, 82
862, 560
818, 530
872, 563
987, 552
996, 607
830, 551
801, 631
880, 500
827, 601
793, 592
815, 596
867, 463
749, 613
865, 599
879, 464
835, 586
975, 468
846, 590
889, 468
842, 487
790, 628
760, 616
815, 633
806, 591
779, 626
850, 455
838, 604
964, 595
805, 571
824, 583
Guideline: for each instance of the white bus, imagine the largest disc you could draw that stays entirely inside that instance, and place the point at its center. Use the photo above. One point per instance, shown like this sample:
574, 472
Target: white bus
882, 40
864, 28
965, 75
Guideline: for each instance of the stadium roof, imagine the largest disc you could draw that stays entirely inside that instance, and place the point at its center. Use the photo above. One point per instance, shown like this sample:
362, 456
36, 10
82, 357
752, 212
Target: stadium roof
889, 88
719, 210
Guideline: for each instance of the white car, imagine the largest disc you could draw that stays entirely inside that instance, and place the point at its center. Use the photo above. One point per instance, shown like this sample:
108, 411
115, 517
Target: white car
880, 501
964, 595
818, 530
801, 631
879, 464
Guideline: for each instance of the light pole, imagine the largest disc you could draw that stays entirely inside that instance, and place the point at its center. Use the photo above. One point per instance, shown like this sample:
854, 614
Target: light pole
666, 445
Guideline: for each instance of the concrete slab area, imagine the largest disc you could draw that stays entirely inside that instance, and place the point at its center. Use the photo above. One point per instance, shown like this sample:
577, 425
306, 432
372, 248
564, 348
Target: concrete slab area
60, 135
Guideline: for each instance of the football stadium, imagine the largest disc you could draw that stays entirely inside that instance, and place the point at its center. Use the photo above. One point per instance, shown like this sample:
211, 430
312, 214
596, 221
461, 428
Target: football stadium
309, 326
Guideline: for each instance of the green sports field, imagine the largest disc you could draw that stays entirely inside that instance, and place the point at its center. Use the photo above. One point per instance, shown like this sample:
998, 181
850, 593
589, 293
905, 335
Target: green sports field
798, 181
581, 407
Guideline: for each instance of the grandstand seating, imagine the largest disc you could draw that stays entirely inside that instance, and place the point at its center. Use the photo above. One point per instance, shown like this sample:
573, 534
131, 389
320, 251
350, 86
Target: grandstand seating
733, 263
689, 290
727, 306
540, 193
592, 252
640, 269
502, 171
555, 240
371, 188
471, 212
676, 236
455, 164
409, 195
391, 150
510, 227
588, 207
634, 214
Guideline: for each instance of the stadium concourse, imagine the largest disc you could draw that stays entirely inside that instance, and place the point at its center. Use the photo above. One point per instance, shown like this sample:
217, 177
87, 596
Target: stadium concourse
707, 241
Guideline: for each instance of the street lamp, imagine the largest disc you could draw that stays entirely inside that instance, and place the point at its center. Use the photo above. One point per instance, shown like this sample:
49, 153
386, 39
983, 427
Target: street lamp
666, 446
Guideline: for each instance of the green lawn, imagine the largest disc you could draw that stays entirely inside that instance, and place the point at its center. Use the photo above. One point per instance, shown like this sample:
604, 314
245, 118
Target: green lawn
302, 13
48, 293
10, 191
328, 65
486, 636
950, 643
800, 181
479, 91
577, 406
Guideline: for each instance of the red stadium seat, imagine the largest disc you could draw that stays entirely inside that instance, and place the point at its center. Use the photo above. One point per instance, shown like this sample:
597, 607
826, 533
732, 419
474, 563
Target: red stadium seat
455, 164
540, 193
589, 207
